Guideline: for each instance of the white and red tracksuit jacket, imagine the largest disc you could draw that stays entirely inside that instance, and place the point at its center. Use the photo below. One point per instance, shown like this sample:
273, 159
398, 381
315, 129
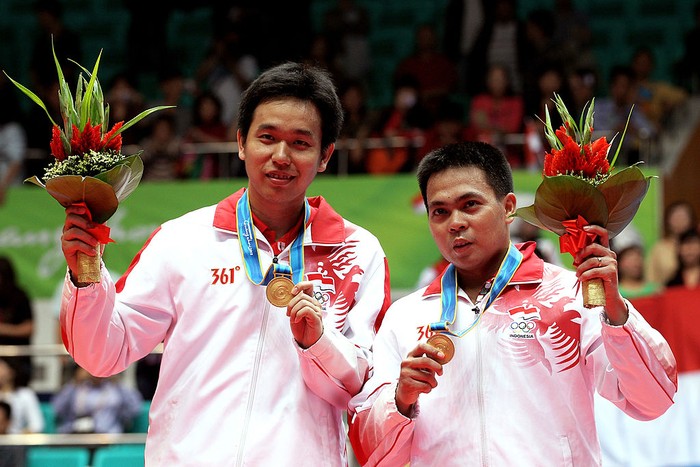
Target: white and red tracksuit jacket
234, 387
519, 390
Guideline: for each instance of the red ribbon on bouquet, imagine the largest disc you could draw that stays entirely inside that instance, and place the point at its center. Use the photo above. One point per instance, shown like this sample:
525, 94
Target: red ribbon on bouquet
575, 238
99, 231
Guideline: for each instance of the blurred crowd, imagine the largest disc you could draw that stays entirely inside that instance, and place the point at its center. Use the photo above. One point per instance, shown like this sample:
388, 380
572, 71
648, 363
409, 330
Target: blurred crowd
481, 72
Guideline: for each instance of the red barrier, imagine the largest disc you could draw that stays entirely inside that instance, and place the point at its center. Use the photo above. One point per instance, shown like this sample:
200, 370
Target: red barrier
675, 313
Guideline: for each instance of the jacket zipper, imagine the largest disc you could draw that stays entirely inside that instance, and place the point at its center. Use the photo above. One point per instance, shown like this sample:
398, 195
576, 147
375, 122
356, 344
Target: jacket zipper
480, 398
253, 384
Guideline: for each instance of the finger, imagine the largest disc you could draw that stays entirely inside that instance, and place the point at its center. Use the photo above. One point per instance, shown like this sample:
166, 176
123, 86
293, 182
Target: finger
305, 287
76, 234
592, 252
310, 314
428, 350
75, 220
303, 299
602, 232
77, 209
424, 363
418, 381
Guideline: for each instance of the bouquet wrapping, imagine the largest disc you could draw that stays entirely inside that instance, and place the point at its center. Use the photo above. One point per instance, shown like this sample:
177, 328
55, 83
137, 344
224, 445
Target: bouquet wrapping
89, 168
580, 187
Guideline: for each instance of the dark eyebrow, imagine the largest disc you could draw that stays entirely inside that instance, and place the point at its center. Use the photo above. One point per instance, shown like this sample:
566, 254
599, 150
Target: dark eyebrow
298, 131
462, 197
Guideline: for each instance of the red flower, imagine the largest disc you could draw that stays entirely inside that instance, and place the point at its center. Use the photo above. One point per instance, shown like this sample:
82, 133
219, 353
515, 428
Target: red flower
115, 144
89, 138
57, 149
587, 161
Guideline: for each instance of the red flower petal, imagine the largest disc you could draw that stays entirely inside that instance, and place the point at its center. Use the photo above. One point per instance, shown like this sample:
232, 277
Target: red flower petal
113, 143
56, 145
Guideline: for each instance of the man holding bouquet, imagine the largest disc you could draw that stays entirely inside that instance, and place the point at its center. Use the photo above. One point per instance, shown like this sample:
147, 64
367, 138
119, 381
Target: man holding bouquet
497, 360
266, 303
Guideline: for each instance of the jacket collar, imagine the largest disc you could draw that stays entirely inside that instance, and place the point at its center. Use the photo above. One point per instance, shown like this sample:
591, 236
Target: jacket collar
325, 226
530, 270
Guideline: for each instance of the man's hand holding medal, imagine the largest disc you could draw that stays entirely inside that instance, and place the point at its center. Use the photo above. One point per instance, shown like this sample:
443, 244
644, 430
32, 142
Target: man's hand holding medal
418, 375
305, 314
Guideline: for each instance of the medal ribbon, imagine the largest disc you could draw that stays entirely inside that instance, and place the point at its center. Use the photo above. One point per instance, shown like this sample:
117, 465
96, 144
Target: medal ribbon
448, 292
249, 247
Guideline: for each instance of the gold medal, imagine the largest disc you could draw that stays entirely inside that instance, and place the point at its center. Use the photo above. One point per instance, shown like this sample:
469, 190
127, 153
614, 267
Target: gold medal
443, 343
279, 291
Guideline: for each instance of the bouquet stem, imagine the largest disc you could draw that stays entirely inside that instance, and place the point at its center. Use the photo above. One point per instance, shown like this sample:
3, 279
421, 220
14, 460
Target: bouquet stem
593, 293
89, 267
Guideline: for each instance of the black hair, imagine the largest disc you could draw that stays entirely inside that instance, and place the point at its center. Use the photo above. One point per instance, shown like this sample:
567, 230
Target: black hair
7, 408
675, 205
196, 108
620, 70
7, 273
297, 81
689, 236
483, 156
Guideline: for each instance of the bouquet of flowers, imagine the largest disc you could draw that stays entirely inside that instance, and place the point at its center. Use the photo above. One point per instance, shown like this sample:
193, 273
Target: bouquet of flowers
89, 168
579, 187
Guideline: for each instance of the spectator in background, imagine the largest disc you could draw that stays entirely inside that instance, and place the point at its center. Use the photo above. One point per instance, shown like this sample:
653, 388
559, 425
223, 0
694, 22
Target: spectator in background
16, 319
521, 232
550, 79
126, 102
583, 86
506, 36
662, 262
539, 53
433, 71
688, 271
147, 371
207, 127
322, 55
630, 265
66, 44
612, 112
26, 412
89, 404
448, 127
175, 90
688, 68
405, 118
497, 112
10, 456
573, 36
38, 129
656, 98
357, 126
162, 150
13, 139
226, 71
347, 26
5, 417
463, 42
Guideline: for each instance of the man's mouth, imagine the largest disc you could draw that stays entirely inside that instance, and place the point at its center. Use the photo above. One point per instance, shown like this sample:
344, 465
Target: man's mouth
280, 176
460, 243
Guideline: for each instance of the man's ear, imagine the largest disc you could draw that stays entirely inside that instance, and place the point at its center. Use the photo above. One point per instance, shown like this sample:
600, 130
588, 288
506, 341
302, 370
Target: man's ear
325, 157
510, 205
241, 142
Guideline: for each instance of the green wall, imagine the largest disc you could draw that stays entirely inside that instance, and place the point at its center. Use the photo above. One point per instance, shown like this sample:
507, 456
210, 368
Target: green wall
31, 222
